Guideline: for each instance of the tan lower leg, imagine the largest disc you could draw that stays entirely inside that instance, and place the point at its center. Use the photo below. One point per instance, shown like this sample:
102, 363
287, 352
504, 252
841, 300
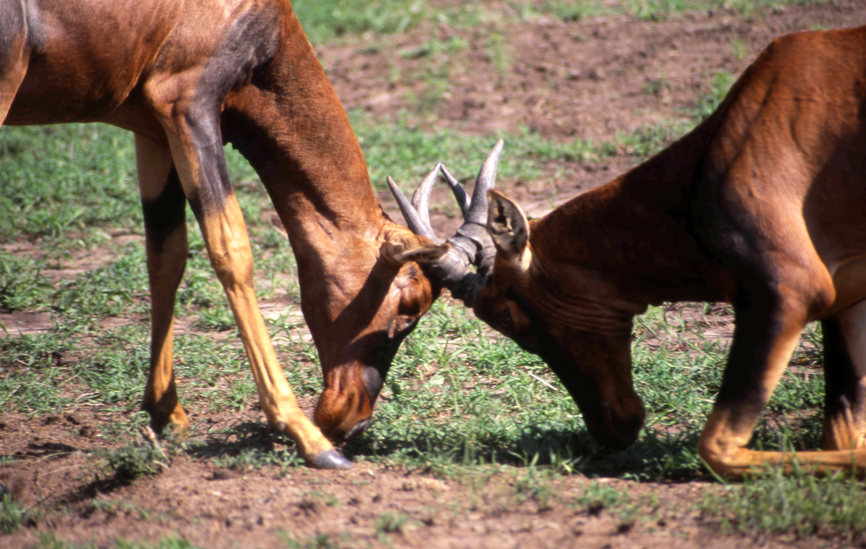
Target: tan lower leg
231, 257
842, 432
160, 395
275, 395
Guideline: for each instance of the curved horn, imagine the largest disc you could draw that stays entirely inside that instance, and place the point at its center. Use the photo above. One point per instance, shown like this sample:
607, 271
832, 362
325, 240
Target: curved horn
472, 237
457, 189
421, 196
471, 244
484, 182
418, 219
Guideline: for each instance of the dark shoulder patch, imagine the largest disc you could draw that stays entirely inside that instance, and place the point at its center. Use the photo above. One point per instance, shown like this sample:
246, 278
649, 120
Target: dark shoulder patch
251, 40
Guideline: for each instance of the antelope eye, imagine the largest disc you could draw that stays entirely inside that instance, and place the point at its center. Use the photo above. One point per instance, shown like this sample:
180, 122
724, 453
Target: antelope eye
409, 308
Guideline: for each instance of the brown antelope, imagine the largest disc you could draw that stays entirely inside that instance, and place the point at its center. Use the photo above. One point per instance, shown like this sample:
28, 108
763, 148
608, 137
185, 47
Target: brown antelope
185, 77
762, 206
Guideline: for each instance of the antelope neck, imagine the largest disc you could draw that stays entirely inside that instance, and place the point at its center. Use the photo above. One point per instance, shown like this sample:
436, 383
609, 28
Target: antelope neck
294, 131
635, 230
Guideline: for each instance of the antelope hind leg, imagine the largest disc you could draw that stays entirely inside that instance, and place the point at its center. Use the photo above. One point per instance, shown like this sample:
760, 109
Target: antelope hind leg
164, 205
14, 53
845, 374
764, 340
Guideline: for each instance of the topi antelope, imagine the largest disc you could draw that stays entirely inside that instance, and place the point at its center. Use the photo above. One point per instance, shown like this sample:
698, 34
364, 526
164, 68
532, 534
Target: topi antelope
762, 206
186, 77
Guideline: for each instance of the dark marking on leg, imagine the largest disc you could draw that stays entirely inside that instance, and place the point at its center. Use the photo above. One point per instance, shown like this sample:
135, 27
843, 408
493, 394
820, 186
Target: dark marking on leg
843, 394
163, 214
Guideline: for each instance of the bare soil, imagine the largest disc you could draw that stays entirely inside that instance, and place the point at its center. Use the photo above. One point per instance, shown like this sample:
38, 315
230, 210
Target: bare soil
589, 79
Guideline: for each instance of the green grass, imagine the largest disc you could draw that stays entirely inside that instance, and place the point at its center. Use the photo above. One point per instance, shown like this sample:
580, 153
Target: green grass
397, 149
570, 10
12, 516
406, 153
800, 506
459, 402
48, 540
458, 398
319, 541
330, 19
325, 20
86, 179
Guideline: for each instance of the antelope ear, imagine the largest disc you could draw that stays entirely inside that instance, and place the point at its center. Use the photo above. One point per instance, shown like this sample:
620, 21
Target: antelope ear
508, 226
278, 225
426, 254
402, 248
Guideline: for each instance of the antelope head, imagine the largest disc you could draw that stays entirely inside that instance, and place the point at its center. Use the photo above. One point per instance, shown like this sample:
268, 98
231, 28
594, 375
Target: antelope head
471, 244
576, 322
410, 268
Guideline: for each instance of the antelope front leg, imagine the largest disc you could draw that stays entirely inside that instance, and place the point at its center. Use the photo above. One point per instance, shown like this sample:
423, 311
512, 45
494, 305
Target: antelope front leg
764, 340
228, 245
164, 205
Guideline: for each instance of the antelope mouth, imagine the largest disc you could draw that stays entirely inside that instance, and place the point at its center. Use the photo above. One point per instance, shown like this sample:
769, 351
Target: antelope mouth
356, 430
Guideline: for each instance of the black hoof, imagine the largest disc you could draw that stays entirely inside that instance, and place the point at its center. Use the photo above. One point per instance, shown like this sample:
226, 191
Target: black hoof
329, 459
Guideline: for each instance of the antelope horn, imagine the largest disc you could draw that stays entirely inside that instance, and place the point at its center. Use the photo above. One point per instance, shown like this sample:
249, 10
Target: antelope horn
473, 237
417, 213
484, 182
471, 244
457, 189
421, 196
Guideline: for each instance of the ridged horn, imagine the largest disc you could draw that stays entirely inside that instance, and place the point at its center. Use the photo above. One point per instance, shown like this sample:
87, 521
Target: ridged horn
484, 182
457, 190
471, 244
417, 213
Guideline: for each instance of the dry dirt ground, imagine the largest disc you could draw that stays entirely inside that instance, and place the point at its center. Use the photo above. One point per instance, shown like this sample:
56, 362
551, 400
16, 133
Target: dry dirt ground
589, 79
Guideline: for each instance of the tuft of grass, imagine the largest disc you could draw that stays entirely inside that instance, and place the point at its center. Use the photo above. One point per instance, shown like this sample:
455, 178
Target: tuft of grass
499, 51
739, 48
437, 58
134, 460
389, 522
647, 140
22, 285
536, 484
750, 8
168, 542
318, 541
13, 517
597, 498
801, 505
656, 10
720, 85
575, 10
49, 540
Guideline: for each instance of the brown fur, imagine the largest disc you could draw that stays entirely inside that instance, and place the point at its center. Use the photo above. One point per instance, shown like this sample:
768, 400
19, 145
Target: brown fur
187, 76
763, 206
